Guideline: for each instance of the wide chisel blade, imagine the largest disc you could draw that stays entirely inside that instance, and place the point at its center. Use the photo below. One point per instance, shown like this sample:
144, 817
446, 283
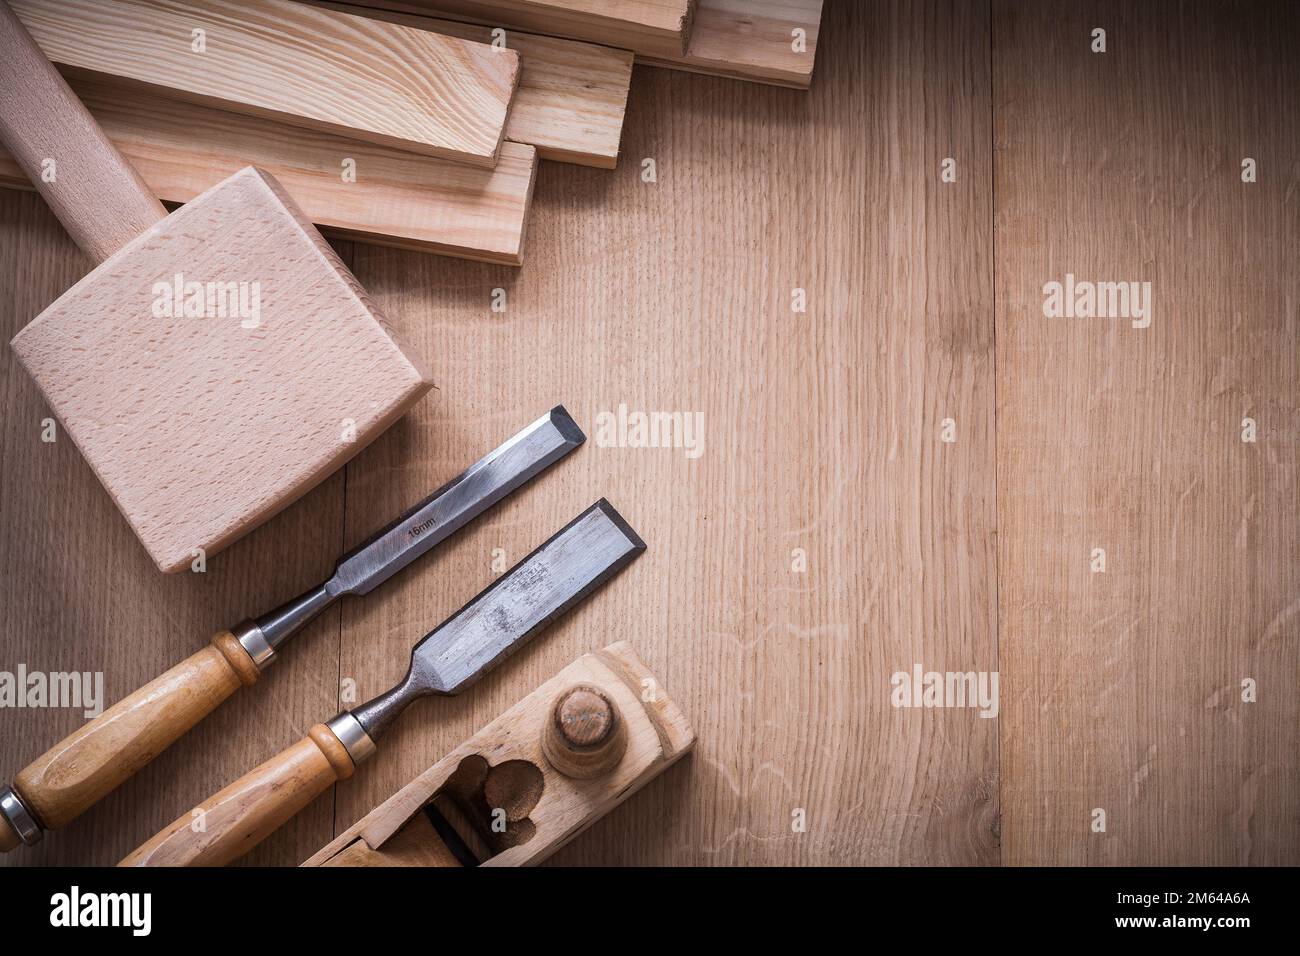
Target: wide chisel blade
540, 588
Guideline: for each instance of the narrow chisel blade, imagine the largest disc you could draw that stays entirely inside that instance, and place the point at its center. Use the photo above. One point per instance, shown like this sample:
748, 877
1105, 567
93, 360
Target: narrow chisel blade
458, 502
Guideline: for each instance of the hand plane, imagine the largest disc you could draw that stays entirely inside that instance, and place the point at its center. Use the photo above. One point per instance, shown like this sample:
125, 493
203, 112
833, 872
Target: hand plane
534, 778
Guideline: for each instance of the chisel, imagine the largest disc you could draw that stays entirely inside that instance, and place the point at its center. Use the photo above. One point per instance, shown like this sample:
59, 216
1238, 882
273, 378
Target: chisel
577, 560
91, 762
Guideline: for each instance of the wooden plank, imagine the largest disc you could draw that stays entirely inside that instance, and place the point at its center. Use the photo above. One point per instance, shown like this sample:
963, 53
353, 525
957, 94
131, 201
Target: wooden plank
397, 198
676, 296
1125, 687
751, 40
743, 39
654, 27
81, 596
571, 96
325, 70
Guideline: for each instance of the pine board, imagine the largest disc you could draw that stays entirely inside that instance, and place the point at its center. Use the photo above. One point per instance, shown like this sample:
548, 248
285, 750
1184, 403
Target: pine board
753, 40
571, 95
325, 70
656, 27
349, 188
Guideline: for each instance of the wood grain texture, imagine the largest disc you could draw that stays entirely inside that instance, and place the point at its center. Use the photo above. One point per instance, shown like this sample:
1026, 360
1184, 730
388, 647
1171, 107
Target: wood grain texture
1124, 687
248, 811
397, 198
751, 40
231, 415
57, 147
503, 771
99, 756
822, 433
376, 81
658, 27
571, 96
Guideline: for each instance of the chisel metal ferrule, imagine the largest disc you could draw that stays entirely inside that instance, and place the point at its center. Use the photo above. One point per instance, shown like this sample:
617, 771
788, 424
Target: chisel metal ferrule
20, 818
352, 736
252, 640
262, 637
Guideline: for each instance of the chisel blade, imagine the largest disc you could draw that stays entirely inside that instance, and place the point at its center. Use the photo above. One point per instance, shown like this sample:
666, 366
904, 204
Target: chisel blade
458, 502
584, 554
578, 559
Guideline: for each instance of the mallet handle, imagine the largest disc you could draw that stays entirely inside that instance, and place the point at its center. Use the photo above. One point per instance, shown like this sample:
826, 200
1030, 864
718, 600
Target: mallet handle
97, 195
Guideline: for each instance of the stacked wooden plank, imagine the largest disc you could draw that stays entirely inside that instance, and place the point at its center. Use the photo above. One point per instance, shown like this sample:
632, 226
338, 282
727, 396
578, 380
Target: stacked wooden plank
764, 41
414, 123
397, 198
767, 41
378, 82
652, 27
570, 99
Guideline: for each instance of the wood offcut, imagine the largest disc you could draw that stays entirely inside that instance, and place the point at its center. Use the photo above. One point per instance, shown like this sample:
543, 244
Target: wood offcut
349, 188
571, 95
765, 41
656, 27
299, 64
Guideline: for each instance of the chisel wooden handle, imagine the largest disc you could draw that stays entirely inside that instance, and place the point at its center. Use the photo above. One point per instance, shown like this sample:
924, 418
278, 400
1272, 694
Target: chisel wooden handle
97, 195
87, 765
229, 824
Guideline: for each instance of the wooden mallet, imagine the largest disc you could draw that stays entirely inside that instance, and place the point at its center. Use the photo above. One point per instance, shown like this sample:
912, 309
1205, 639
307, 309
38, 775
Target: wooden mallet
218, 362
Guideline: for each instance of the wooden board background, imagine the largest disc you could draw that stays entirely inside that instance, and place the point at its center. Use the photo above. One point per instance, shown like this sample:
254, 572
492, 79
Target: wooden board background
822, 432
1123, 688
